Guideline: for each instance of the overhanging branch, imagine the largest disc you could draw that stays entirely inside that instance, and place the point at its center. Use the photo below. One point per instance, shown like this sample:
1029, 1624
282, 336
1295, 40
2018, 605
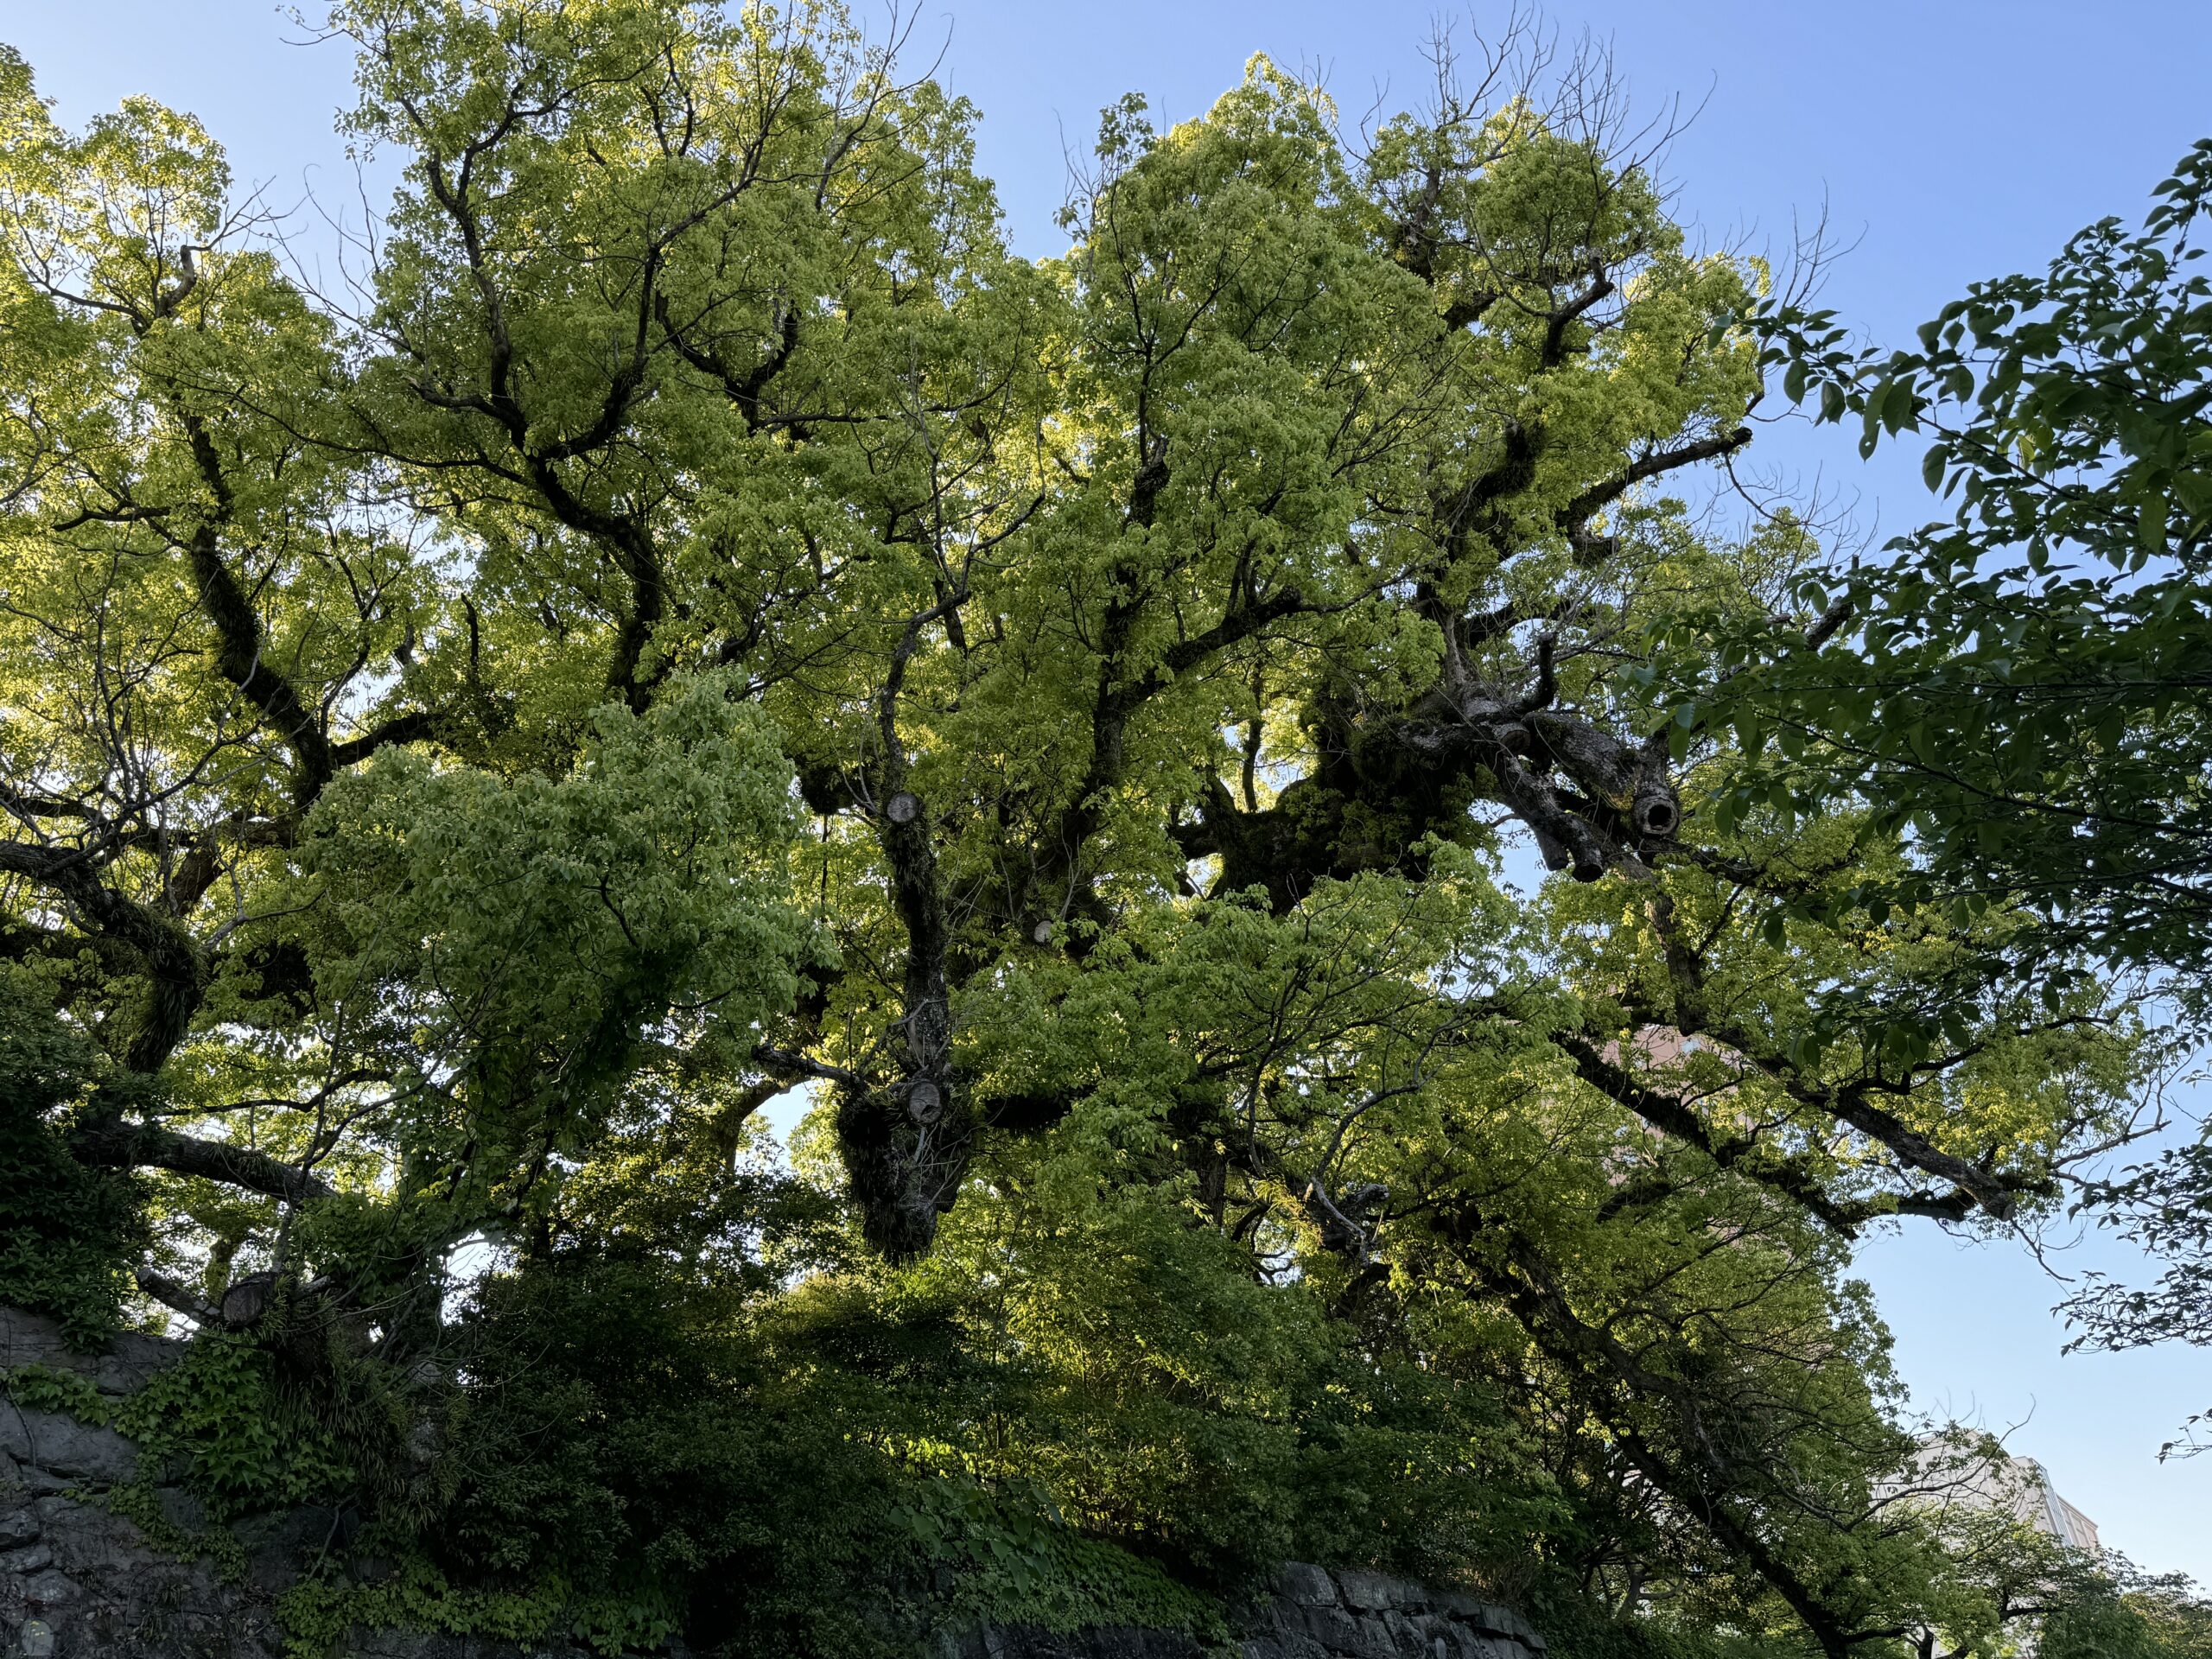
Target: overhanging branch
113, 1142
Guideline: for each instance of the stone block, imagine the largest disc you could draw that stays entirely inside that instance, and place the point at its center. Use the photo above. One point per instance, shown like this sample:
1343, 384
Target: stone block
1437, 1636
1494, 1620
132, 1360
62, 1446
1109, 1641
1332, 1627
1305, 1585
1374, 1593
18, 1527
129, 1361
1412, 1634
49, 1589
32, 1339
90, 1542
1349, 1635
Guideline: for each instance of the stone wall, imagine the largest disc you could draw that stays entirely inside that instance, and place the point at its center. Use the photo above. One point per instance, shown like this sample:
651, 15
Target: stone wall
91, 1577
1311, 1614
96, 1582
1348, 1615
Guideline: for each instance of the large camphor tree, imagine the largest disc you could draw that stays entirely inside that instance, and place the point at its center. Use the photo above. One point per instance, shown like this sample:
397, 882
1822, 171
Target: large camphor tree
697, 616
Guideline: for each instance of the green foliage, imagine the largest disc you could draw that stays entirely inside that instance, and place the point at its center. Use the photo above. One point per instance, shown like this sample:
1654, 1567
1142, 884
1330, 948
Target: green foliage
68, 1234
2173, 1622
2009, 1588
317, 1613
213, 1422
2020, 684
712, 620
1099, 1347
1062, 1422
1578, 1623
663, 1453
246, 1449
543, 919
41, 1387
1015, 1566
2020, 689
2165, 1207
217, 1416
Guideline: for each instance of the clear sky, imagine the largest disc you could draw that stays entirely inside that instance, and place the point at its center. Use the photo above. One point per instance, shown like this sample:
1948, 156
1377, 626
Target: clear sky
1951, 139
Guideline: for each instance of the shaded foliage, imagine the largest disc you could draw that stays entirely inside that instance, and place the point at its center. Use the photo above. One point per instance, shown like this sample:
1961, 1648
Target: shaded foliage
68, 1233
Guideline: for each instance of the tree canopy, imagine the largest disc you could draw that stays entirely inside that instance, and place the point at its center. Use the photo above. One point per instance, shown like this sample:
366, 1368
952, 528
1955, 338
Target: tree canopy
2021, 690
2021, 684
699, 617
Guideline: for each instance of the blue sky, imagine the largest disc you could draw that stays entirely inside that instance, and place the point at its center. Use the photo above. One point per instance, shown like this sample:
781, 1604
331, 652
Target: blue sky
1950, 141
